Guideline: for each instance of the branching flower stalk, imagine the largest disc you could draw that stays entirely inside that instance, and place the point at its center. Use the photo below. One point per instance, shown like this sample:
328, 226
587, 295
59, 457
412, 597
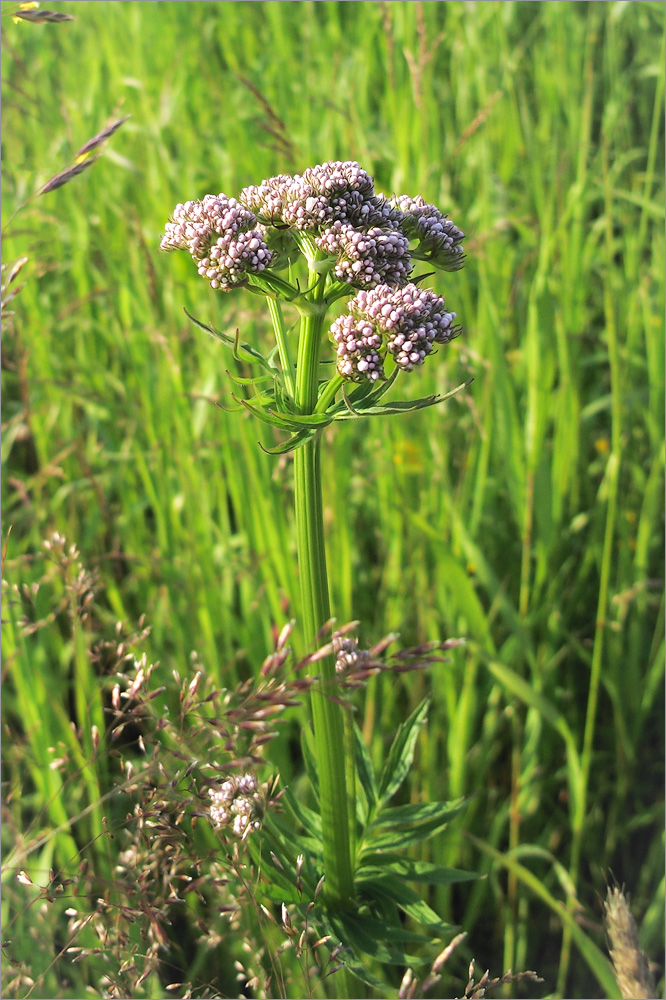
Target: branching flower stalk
360, 246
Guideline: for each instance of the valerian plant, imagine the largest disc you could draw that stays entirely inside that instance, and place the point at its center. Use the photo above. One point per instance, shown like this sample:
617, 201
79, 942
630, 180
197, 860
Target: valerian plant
311, 240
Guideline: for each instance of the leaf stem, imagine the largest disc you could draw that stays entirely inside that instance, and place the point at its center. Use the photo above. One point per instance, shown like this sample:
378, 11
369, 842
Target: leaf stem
327, 394
283, 344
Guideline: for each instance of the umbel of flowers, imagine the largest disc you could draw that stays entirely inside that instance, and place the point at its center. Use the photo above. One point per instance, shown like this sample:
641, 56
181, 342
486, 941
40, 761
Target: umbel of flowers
363, 241
311, 240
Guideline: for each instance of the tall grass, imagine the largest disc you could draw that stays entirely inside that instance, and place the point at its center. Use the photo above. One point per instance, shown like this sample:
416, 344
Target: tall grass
526, 517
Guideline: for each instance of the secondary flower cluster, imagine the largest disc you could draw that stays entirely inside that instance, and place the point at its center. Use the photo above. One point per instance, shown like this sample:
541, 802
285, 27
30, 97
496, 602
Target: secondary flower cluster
236, 801
347, 654
439, 239
366, 258
407, 322
222, 238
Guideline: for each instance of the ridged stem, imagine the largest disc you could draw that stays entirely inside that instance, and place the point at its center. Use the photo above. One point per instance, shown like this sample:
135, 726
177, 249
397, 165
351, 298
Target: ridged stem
282, 343
327, 715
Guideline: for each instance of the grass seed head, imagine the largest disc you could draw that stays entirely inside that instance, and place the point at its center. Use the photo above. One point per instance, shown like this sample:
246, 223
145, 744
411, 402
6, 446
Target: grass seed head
632, 968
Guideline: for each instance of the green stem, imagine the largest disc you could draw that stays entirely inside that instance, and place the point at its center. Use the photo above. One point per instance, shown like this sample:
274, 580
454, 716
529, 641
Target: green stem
327, 715
328, 394
350, 771
283, 344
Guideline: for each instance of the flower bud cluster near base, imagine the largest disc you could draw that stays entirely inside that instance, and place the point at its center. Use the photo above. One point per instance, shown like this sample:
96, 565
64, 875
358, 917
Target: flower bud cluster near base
236, 803
370, 241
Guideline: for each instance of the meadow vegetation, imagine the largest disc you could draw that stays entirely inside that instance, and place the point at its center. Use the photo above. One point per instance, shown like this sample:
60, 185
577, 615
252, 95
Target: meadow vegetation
524, 516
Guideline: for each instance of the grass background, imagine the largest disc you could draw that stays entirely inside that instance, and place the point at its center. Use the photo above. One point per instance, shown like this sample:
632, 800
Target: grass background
526, 516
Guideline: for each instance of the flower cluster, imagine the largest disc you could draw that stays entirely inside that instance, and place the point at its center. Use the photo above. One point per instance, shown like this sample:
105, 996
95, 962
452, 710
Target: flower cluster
407, 321
357, 346
336, 191
237, 801
366, 258
347, 654
332, 211
222, 238
439, 239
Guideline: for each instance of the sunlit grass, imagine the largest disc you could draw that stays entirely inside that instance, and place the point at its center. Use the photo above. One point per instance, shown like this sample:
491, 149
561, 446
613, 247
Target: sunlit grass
526, 516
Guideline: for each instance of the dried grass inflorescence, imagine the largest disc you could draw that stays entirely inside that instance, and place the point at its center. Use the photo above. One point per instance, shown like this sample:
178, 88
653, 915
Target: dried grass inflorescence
412, 987
632, 968
191, 791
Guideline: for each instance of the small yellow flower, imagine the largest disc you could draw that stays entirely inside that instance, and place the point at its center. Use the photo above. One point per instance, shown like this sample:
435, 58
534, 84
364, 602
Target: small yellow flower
407, 457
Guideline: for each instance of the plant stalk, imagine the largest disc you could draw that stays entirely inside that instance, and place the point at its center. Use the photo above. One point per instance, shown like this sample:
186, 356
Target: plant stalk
327, 715
283, 344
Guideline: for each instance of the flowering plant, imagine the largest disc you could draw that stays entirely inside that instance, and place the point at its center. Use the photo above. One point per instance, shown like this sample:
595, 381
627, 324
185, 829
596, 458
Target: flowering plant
353, 241
360, 246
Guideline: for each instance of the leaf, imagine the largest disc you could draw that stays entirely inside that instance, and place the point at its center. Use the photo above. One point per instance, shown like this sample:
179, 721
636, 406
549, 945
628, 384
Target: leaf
399, 406
401, 754
309, 820
279, 890
366, 775
253, 356
295, 441
258, 379
410, 824
290, 841
297, 421
280, 885
360, 971
374, 866
377, 390
599, 965
268, 416
374, 938
409, 901
516, 684
414, 813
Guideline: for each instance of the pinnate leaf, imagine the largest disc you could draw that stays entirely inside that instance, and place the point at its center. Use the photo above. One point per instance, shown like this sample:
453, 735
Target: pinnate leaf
401, 753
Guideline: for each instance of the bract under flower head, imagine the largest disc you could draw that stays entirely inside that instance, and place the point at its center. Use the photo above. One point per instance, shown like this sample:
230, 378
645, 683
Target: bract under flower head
407, 322
219, 235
